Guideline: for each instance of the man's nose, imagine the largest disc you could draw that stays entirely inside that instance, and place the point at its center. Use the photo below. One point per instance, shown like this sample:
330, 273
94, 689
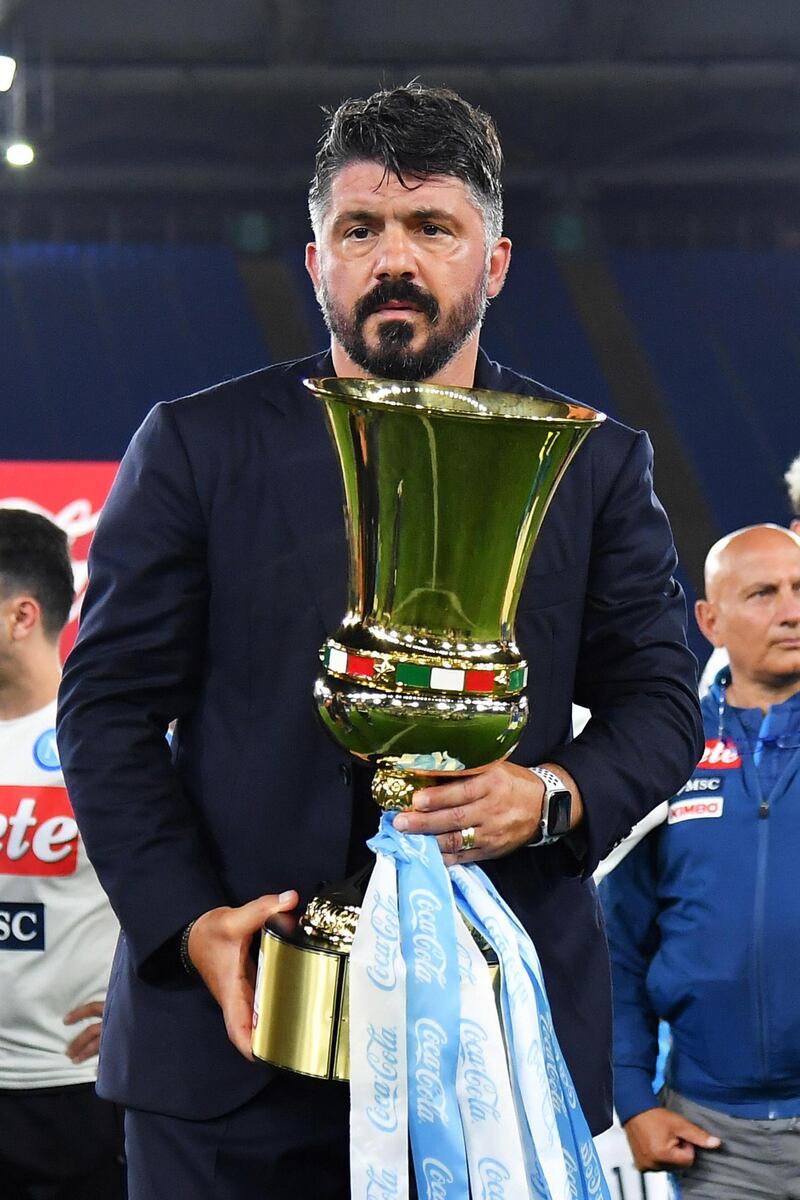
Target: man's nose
789, 612
395, 256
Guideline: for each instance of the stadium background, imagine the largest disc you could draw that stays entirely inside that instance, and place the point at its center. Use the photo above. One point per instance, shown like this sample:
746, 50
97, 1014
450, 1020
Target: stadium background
154, 246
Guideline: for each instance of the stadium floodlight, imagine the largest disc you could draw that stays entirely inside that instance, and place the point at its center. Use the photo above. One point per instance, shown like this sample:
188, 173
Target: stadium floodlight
8, 66
20, 154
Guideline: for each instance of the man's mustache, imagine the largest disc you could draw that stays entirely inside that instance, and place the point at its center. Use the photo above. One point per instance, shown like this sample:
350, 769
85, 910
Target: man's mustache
401, 290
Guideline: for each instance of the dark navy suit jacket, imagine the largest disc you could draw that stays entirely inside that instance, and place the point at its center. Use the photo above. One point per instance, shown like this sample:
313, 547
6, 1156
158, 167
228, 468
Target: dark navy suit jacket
217, 569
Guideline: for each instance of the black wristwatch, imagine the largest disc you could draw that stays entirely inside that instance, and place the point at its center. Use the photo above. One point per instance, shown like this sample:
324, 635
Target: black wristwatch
556, 808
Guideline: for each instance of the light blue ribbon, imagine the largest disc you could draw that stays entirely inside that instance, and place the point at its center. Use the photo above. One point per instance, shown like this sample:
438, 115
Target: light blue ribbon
433, 1012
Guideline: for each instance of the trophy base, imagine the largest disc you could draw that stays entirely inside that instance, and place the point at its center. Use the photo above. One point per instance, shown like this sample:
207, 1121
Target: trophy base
300, 1021
301, 1014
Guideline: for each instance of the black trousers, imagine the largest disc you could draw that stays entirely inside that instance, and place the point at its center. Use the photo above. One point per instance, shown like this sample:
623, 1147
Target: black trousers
60, 1143
290, 1142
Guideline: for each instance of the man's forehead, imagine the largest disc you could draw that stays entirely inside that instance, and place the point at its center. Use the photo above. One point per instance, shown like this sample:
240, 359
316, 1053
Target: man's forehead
753, 555
365, 185
764, 560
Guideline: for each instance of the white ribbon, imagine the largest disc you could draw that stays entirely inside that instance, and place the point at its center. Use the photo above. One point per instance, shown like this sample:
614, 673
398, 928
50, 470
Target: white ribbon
378, 1071
494, 1146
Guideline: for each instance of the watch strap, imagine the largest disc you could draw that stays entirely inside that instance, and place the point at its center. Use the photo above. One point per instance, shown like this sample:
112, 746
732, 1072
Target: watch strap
555, 791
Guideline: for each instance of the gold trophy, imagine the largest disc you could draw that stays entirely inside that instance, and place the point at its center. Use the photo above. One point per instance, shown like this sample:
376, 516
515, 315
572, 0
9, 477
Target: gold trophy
445, 491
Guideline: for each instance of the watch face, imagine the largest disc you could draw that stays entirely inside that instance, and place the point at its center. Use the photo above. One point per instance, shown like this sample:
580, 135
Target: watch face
559, 811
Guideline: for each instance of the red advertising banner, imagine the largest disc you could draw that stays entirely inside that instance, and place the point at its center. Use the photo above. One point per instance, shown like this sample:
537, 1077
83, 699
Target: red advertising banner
72, 495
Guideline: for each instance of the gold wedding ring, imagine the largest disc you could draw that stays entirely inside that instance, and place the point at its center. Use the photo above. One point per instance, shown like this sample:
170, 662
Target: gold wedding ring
468, 838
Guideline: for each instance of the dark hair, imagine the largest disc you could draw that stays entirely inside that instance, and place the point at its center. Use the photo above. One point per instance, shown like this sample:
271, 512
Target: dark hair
34, 558
414, 132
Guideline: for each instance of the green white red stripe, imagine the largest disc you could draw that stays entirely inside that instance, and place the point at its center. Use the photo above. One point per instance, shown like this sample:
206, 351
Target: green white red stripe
483, 680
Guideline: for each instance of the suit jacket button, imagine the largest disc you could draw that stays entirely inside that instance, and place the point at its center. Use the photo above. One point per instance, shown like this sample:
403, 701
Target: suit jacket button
346, 774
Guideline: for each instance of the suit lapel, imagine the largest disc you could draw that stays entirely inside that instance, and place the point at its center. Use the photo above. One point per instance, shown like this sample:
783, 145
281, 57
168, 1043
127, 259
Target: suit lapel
310, 483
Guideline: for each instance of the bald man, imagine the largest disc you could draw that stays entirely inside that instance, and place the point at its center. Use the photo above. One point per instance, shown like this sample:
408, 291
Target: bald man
704, 914
719, 655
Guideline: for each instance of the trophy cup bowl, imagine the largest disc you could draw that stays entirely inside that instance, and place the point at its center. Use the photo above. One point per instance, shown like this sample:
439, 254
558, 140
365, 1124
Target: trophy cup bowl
445, 491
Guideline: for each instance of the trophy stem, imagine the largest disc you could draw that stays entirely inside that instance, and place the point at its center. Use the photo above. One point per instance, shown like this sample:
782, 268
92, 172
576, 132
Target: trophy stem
392, 790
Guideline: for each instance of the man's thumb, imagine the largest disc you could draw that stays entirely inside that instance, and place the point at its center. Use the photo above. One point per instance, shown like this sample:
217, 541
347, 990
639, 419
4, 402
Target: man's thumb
258, 911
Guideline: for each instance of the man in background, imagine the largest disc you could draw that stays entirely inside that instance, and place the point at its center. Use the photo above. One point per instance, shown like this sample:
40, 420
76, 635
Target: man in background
58, 1140
703, 915
718, 657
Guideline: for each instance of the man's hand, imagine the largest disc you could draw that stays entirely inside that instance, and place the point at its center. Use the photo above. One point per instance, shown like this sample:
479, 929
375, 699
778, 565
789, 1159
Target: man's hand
219, 947
87, 1042
660, 1138
503, 805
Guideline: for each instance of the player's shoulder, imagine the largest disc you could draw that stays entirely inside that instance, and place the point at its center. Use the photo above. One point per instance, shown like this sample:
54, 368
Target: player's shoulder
28, 750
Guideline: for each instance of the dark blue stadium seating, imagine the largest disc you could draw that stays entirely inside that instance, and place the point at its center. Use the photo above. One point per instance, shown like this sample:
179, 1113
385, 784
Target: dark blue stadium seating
721, 333
93, 336
532, 327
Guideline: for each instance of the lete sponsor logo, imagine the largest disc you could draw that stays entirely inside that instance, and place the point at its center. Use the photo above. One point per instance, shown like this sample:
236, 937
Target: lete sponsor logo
720, 755
38, 831
692, 810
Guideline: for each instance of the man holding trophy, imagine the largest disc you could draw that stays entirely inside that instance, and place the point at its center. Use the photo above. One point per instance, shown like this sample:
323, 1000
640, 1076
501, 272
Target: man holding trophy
218, 570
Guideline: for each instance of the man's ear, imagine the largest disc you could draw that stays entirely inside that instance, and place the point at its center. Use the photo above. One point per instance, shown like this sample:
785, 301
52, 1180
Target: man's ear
312, 264
499, 261
707, 618
23, 615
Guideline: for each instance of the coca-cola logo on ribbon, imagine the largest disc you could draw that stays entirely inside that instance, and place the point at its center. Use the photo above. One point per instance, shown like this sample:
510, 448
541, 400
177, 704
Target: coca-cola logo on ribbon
72, 495
720, 755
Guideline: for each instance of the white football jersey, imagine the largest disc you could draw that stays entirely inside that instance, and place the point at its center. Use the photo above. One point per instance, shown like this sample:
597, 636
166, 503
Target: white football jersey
57, 930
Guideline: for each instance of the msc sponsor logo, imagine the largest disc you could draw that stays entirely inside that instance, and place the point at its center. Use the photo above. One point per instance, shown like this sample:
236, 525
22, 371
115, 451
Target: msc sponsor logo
720, 755
38, 831
21, 926
693, 810
705, 783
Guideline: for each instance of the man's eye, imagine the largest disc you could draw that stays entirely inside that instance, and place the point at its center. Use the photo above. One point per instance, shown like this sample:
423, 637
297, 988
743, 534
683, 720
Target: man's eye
431, 230
359, 233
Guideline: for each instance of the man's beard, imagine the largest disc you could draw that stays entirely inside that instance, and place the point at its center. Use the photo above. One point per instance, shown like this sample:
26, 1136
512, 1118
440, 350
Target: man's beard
392, 357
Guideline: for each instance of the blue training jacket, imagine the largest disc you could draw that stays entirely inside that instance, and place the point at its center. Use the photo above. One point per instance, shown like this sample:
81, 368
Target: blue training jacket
704, 925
